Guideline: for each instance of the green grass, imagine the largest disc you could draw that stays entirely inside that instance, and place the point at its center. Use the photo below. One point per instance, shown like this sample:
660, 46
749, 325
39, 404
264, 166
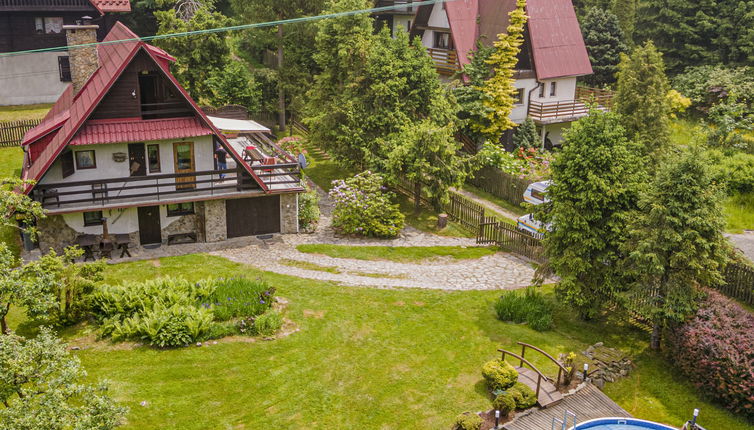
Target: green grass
362, 358
510, 207
15, 113
306, 265
739, 213
10, 166
402, 254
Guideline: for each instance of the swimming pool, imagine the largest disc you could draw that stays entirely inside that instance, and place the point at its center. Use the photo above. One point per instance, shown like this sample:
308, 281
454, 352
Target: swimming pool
620, 424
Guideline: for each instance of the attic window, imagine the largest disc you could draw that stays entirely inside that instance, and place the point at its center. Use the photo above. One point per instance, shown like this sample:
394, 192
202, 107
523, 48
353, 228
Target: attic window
64, 67
48, 25
443, 40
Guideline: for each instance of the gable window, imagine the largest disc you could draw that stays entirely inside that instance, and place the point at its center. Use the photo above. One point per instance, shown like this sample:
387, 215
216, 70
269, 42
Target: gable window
92, 218
443, 40
519, 97
542, 90
553, 89
179, 209
64, 67
66, 162
48, 25
85, 160
153, 156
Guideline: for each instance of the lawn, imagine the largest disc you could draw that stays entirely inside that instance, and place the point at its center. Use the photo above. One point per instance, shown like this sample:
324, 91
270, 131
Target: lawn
739, 213
363, 358
403, 254
10, 166
15, 113
510, 207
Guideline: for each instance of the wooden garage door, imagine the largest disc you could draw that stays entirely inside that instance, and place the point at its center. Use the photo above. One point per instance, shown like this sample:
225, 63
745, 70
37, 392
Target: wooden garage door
252, 216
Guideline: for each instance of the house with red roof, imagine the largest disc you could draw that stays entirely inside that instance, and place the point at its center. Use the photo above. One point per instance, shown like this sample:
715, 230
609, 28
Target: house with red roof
125, 153
552, 57
40, 77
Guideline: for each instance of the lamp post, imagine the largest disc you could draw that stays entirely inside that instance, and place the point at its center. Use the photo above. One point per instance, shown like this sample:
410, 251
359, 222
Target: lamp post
586, 370
497, 418
693, 419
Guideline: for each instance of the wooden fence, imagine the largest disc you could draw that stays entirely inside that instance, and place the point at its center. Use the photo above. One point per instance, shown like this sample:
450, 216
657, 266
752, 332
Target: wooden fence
739, 283
509, 238
498, 183
465, 212
12, 132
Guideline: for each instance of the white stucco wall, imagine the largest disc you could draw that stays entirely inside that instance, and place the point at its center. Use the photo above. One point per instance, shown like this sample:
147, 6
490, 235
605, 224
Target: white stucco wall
119, 221
565, 90
108, 168
30, 78
402, 21
438, 18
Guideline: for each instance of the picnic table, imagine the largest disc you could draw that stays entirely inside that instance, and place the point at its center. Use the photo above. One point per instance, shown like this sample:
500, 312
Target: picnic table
87, 242
122, 241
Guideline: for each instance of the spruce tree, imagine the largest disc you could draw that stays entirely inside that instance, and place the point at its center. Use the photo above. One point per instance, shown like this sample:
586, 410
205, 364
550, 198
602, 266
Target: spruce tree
642, 97
526, 135
625, 12
676, 241
596, 180
604, 43
499, 89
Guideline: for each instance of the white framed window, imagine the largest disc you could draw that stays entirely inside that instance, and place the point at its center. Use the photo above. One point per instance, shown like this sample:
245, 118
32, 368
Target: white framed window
553, 89
519, 97
48, 25
542, 90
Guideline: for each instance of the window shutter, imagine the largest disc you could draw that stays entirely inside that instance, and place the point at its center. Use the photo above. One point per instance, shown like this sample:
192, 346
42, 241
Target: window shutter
64, 66
66, 162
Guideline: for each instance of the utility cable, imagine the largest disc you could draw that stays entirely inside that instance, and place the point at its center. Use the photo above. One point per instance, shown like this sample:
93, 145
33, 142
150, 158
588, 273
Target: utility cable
234, 27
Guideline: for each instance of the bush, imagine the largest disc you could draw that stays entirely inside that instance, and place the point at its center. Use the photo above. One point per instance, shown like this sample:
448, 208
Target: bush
239, 297
160, 326
529, 306
708, 85
308, 210
505, 403
364, 207
468, 421
715, 350
736, 170
268, 324
523, 395
499, 375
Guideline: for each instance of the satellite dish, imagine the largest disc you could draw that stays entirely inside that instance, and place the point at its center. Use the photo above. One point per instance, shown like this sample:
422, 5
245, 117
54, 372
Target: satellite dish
302, 161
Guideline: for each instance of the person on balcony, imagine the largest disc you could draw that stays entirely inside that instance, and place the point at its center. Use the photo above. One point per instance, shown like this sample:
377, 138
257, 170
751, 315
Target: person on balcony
221, 156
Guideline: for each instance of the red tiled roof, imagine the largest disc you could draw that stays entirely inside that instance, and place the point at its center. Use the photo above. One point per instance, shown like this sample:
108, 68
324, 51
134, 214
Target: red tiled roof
138, 130
113, 59
112, 5
557, 45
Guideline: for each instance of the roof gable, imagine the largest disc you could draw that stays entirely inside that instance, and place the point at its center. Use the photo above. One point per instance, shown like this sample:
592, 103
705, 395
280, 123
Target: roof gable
116, 52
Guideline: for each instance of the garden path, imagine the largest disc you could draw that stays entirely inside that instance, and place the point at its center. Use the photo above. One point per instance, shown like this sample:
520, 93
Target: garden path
744, 242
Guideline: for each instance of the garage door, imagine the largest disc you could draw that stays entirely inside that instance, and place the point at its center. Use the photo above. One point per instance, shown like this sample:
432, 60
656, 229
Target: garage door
252, 216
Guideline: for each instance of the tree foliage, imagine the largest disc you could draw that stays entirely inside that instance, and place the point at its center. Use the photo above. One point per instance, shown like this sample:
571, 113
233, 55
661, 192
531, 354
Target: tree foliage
596, 178
604, 41
18, 210
642, 97
471, 96
526, 135
625, 13
29, 286
197, 56
234, 84
676, 243
499, 89
41, 387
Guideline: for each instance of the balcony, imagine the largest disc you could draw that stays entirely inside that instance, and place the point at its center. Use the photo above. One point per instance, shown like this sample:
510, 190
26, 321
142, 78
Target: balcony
446, 60
570, 110
45, 5
406, 9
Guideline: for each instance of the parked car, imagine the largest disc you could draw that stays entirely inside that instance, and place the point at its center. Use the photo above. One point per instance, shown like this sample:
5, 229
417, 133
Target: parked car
535, 193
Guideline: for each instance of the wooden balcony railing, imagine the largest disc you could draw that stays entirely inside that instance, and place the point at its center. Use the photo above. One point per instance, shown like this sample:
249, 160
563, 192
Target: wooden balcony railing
446, 60
171, 109
568, 110
596, 96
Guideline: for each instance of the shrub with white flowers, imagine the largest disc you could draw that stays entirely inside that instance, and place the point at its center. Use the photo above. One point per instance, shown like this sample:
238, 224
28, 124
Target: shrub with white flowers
363, 206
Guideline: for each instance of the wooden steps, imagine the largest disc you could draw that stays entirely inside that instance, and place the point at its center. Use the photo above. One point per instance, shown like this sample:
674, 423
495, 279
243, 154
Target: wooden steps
548, 394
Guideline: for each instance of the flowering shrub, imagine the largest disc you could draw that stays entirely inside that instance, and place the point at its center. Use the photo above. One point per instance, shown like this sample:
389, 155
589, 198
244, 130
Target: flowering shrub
308, 210
715, 350
292, 145
528, 163
363, 206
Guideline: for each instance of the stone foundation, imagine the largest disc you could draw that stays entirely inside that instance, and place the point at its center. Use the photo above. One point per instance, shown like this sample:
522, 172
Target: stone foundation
184, 224
215, 226
289, 213
55, 233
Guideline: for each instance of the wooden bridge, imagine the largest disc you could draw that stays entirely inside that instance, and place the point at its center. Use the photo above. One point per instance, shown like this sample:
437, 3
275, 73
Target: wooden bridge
544, 387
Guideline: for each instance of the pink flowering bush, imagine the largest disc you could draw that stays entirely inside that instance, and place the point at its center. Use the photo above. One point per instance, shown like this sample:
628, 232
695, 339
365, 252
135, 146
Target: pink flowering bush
293, 145
363, 206
715, 350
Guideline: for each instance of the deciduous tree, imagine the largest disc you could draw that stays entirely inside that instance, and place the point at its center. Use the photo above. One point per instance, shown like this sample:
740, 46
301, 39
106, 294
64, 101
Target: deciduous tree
18, 210
596, 180
499, 89
605, 43
642, 97
41, 387
29, 286
676, 241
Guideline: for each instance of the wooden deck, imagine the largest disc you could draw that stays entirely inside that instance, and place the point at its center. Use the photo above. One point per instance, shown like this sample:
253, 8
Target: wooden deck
548, 394
588, 403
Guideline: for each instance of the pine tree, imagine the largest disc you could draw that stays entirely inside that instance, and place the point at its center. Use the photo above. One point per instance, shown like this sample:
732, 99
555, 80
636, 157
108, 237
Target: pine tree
499, 89
676, 242
642, 97
470, 95
526, 135
604, 43
625, 12
596, 180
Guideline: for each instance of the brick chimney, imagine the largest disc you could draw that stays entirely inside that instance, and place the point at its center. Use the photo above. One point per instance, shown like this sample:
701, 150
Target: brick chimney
84, 60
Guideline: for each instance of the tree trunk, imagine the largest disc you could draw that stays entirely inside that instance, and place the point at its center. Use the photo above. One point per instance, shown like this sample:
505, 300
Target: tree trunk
417, 196
654, 340
3, 325
281, 92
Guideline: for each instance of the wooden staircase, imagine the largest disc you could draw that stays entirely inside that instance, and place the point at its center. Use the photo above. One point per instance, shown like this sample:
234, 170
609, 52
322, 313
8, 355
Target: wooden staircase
544, 387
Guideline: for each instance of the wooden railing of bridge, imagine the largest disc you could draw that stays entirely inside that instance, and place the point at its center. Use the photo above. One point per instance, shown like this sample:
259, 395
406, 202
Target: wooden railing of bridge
561, 369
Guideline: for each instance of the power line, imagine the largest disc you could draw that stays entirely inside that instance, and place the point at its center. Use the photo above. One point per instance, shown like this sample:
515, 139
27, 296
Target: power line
233, 27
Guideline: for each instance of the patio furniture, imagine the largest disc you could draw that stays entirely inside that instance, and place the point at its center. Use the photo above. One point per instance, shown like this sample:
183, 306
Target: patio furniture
269, 161
87, 242
252, 154
122, 241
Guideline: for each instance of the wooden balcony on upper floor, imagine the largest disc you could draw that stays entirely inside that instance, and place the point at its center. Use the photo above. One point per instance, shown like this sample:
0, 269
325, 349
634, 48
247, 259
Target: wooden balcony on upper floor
446, 60
45, 5
570, 110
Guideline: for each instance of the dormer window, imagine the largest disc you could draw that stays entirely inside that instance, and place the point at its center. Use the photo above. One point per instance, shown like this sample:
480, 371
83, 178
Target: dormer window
443, 40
